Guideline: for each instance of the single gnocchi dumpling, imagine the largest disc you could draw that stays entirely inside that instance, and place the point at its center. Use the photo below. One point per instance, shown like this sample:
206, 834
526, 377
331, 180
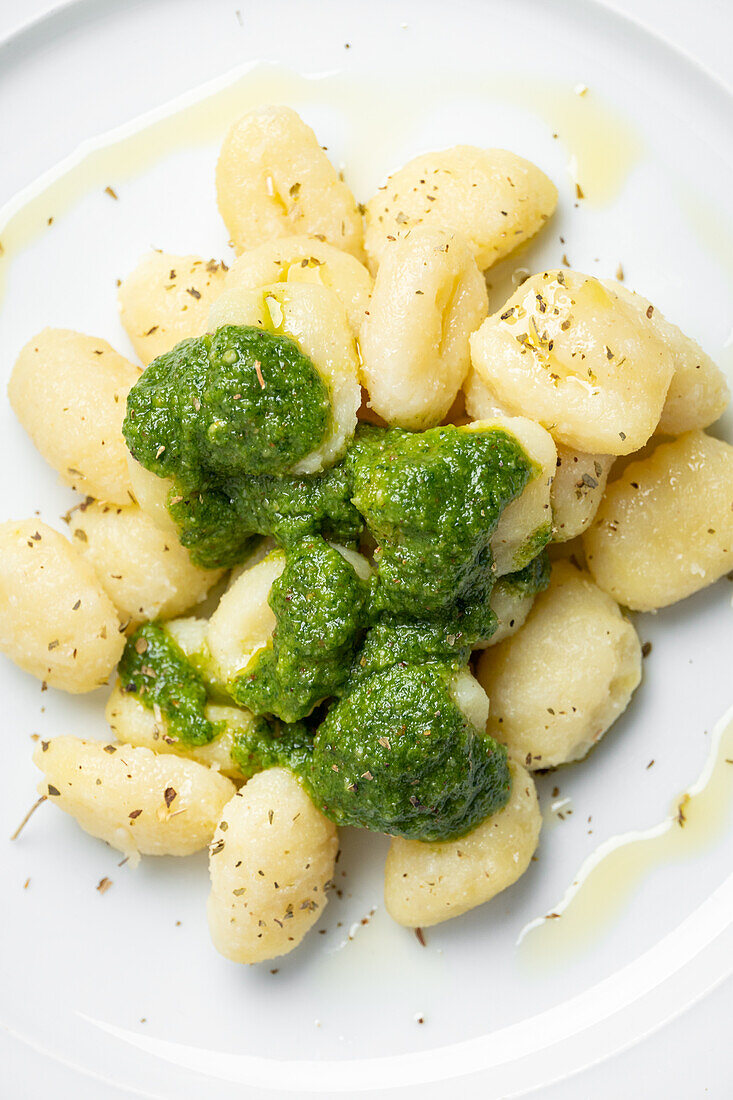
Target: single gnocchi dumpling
698, 393
57, 622
132, 723
136, 800
429, 882
559, 683
273, 180
428, 298
244, 622
525, 525
166, 299
271, 862
315, 319
577, 490
145, 571
665, 527
305, 259
570, 353
68, 391
493, 198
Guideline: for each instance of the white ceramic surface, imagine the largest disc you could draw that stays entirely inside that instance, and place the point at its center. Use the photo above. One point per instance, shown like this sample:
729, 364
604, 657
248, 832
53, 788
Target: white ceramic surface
81, 971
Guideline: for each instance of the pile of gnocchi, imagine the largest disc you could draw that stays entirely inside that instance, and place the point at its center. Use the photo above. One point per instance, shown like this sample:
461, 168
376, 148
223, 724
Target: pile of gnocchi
628, 493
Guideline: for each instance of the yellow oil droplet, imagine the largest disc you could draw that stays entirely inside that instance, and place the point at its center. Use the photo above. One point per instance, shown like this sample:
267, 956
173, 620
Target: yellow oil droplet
606, 881
602, 147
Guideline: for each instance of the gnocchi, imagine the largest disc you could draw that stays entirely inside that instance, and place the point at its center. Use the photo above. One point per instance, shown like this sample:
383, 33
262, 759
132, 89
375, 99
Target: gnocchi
57, 622
698, 392
551, 702
68, 391
570, 353
273, 180
166, 299
665, 527
315, 319
428, 297
145, 572
429, 882
139, 802
303, 259
493, 198
271, 862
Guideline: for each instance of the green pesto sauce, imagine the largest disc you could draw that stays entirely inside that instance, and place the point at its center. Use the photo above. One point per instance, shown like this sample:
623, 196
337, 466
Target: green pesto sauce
241, 402
216, 523
406, 643
319, 603
535, 544
271, 744
154, 668
530, 581
398, 756
432, 501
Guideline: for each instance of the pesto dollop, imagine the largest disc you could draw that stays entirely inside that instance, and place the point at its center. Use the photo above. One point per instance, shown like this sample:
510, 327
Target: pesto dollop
216, 524
239, 403
432, 501
271, 744
157, 671
398, 755
319, 603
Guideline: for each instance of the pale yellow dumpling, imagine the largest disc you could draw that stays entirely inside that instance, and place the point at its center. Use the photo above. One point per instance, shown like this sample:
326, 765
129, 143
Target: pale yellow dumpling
573, 355
665, 527
559, 683
273, 180
166, 299
493, 198
69, 393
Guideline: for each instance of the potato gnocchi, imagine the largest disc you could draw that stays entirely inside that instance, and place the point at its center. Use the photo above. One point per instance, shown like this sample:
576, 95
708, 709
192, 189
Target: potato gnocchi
361, 554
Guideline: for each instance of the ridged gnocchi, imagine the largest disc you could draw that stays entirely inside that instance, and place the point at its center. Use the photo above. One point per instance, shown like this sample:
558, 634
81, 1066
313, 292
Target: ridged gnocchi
559, 683
428, 298
425, 883
68, 391
145, 571
304, 259
139, 802
273, 180
271, 861
665, 527
493, 198
315, 319
166, 299
57, 622
573, 355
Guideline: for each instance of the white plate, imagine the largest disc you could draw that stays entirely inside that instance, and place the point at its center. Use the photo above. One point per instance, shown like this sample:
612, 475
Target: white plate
111, 985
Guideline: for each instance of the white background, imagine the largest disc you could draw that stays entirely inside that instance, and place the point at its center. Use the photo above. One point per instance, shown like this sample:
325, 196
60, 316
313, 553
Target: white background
691, 1057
